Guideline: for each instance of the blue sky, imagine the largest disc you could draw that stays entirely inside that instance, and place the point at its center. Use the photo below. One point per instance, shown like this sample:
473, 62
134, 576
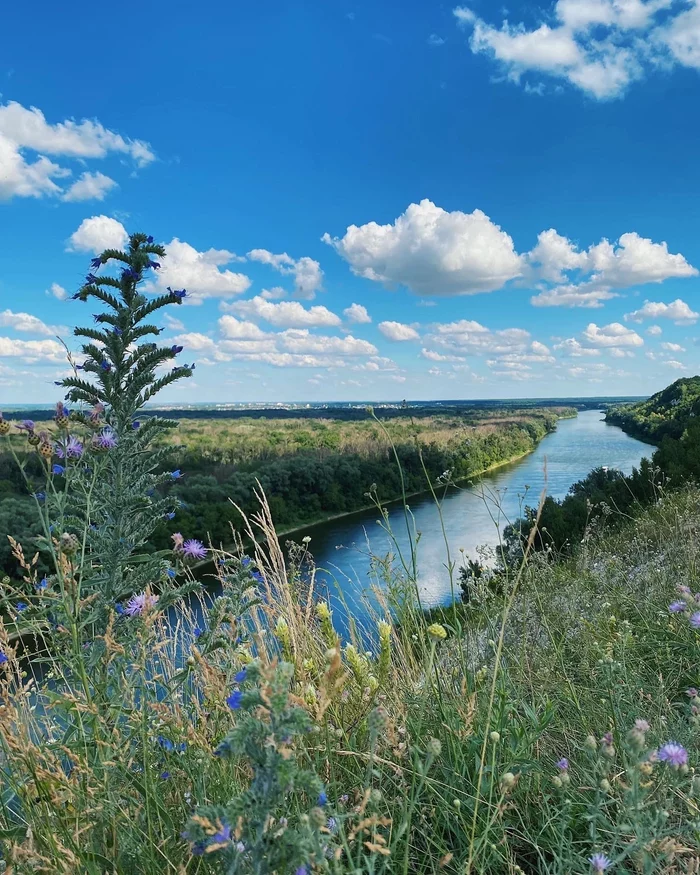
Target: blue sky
366, 200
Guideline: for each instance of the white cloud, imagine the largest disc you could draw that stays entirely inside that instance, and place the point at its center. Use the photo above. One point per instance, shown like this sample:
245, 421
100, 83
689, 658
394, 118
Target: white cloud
24, 129
654, 330
598, 46
235, 329
672, 347
613, 335
90, 186
30, 324
57, 291
32, 350
435, 40
618, 353
286, 314
302, 341
199, 272
432, 251
573, 348
307, 273
397, 331
434, 356
677, 310
97, 234
467, 337
172, 323
677, 366
273, 294
357, 313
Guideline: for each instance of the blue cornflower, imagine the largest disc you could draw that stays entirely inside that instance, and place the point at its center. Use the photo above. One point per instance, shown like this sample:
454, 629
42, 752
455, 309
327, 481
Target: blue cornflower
165, 775
21, 606
166, 743
240, 676
58, 470
40, 496
600, 863
302, 870
234, 700
322, 798
172, 574
677, 607
43, 583
695, 620
96, 263
176, 474
222, 836
119, 608
3, 658
673, 753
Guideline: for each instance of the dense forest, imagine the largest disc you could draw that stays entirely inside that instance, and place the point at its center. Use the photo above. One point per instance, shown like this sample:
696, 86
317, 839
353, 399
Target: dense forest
667, 419
308, 468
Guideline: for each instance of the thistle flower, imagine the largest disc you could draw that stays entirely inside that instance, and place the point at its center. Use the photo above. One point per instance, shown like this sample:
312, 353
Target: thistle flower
194, 549
106, 440
69, 448
178, 541
600, 863
27, 425
695, 620
673, 753
140, 603
563, 764
677, 607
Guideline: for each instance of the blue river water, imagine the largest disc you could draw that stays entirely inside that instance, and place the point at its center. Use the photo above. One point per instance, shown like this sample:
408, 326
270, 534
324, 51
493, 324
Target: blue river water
472, 516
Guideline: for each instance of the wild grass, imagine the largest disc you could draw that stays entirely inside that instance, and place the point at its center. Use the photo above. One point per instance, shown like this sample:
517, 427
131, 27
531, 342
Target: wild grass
436, 752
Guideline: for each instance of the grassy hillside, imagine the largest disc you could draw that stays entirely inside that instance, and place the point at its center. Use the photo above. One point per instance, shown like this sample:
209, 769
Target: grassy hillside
666, 414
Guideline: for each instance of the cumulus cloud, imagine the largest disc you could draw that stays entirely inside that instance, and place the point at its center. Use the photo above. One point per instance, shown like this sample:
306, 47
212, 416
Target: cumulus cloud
677, 310
57, 292
237, 329
30, 324
32, 350
90, 186
307, 273
604, 266
23, 129
432, 251
397, 331
613, 335
573, 348
435, 252
654, 330
286, 314
672, 347
677, 366
172, 323
434, 356
357, 313
598, 46
97, 234
467, 337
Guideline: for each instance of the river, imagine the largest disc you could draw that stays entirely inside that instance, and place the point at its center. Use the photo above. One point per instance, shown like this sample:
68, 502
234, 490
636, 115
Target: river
473, 515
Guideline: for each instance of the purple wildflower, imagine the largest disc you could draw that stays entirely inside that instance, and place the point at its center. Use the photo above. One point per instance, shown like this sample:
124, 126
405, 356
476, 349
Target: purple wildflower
154, 265
695, 620
175, 349
641, 725
302, 870
676, 607
21, 606
178, 293
27, 425
58, 470
600, 863
234, 700
194, 549
563, 764
691, 692
107, 439
96, 263
172, 574
322, 798
673, 753
140, 603
131, 274
240, 676
176, 475
222, 836
69, 448
683, 590
43, 583
136, 425
3, 658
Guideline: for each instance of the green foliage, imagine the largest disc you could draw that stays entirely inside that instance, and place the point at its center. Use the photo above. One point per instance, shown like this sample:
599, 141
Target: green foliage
666, 414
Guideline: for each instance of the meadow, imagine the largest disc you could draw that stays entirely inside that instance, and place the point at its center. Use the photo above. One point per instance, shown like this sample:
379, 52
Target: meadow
549, 725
